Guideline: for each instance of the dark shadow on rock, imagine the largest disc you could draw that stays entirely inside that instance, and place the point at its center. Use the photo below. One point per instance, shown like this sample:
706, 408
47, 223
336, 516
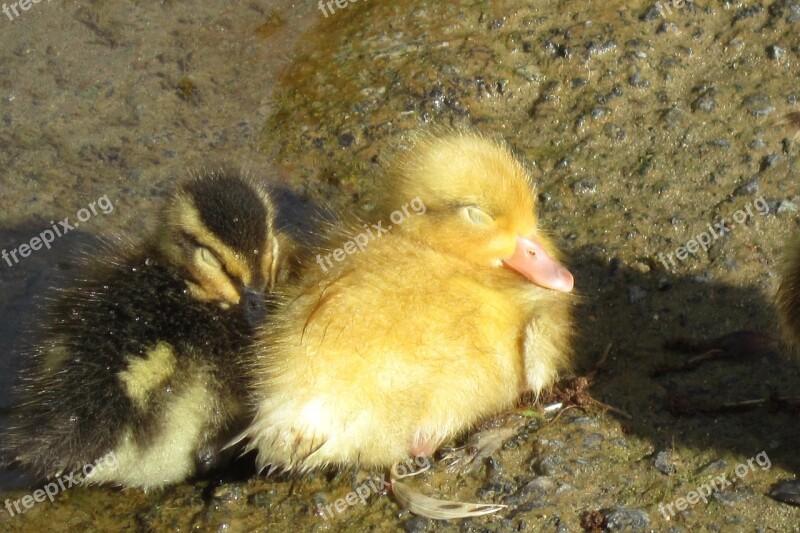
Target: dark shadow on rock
297, 215
638, 312
25, 288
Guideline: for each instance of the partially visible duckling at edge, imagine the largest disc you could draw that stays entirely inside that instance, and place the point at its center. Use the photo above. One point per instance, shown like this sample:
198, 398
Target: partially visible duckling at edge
788, 302
140, 359
449, 308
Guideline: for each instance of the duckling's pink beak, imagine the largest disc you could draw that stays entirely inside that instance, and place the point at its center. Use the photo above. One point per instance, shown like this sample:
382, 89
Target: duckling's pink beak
534, 263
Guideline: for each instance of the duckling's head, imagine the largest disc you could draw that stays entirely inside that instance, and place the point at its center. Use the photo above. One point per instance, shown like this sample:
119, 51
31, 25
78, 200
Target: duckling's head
219, 229
469, 196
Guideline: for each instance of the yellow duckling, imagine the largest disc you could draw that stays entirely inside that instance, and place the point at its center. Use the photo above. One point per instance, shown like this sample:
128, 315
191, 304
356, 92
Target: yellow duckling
139, 359
409, 331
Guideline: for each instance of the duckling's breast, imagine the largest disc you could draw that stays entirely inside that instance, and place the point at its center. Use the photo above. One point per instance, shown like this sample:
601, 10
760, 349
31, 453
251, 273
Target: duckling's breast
118, 350
402, 348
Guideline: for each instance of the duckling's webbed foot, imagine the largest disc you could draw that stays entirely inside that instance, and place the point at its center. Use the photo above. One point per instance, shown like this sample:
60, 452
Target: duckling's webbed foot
787, 492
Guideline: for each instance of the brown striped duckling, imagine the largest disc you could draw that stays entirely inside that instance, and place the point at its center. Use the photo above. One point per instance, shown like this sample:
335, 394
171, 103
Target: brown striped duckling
139, 358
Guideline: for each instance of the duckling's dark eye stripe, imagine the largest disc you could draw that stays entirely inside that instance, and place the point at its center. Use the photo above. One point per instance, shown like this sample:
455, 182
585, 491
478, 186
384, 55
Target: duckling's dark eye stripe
191, 239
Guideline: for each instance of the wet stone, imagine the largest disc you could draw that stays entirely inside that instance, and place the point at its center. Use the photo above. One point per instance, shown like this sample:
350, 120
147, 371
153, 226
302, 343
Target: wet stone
417, 524
637, 81
794, 16
551, 465
564, 162
578, 82
266, 499
668, 27
508, 525
585, 421
622, 519
705, 102
550, 444
540, 486
706, 277
651, 14
761, 111
229, 493
584, 186
319, 498
607, 46
720, 143
346, 140
775, 52
493, 466
673, 116
530, 73
747, 12
496, 485
733, 497
536, 490
749, 188
786, 206
758, 105
593, 441
664, 463
769, 161
636, 294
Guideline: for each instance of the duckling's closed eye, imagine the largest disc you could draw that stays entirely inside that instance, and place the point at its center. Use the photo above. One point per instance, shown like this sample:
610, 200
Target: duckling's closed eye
206, 256
211, 279
478, 215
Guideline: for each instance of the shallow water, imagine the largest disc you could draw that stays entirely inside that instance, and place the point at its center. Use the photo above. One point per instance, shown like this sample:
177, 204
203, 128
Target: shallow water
641, 130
